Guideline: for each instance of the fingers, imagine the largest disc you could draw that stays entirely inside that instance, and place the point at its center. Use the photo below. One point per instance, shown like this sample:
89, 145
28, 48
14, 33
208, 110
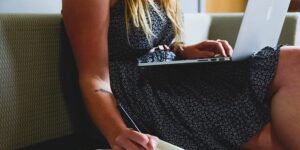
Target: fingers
127, 144
197, 51
117, 148
215, 46
218, 47
138, 137
202, 54
227, 47
132, 140
153, 142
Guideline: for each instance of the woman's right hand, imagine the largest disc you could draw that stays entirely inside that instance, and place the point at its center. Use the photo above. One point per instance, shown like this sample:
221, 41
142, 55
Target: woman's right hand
207, 49
133, 140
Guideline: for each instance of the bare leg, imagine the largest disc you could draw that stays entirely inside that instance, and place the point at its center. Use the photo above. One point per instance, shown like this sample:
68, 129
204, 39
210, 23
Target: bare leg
264, 140
286, 100
284, 130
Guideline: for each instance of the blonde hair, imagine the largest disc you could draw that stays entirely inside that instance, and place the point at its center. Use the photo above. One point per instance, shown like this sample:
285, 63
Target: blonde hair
137, 13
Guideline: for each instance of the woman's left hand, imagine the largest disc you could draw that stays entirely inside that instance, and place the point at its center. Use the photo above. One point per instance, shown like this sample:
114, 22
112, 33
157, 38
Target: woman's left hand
208, 49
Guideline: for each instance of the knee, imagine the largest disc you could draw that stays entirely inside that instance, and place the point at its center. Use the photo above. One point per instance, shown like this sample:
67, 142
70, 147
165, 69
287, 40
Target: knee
288, 69
263, 140
289, 56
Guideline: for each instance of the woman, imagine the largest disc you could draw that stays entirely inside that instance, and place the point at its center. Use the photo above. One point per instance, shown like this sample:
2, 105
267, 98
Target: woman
251, 104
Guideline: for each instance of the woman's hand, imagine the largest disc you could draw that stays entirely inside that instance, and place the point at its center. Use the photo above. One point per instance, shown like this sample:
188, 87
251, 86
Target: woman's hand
207, 49
133, 140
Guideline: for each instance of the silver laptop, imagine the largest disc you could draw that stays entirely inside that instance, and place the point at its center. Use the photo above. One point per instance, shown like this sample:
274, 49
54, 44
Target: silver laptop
261, 26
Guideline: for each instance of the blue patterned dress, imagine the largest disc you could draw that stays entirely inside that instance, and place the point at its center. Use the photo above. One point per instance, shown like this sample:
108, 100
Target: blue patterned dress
201, 106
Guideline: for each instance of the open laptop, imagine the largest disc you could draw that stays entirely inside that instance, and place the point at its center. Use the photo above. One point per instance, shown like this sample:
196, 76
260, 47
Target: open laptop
261, 26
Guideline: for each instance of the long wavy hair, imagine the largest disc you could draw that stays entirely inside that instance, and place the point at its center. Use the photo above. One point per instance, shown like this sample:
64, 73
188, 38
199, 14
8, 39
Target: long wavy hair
137, 13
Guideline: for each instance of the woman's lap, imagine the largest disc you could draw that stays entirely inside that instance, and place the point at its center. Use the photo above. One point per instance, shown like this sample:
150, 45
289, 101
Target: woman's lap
227, 101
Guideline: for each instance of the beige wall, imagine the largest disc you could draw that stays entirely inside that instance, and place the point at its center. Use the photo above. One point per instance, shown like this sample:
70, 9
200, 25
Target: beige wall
226, 5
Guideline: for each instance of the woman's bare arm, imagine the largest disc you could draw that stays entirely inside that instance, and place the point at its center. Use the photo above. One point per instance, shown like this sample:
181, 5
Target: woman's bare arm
87, 23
